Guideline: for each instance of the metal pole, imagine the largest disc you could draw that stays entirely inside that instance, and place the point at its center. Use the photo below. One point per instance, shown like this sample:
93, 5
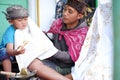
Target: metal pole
116, 26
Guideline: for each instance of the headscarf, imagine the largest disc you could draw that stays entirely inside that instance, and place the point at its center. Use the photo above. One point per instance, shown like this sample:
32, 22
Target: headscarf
15, 12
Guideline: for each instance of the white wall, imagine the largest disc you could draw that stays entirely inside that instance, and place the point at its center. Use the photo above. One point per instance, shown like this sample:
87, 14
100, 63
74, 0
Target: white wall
32, 9
47, 12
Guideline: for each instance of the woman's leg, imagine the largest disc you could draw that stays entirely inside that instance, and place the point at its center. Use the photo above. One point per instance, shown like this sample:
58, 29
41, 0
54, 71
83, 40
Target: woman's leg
45, 72
63, 71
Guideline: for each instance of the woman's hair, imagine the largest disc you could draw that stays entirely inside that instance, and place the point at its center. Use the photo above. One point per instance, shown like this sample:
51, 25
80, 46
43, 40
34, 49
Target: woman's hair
79, 5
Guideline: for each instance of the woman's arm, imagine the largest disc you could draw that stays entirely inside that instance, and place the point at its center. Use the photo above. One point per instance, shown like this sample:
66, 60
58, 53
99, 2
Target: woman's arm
63, 56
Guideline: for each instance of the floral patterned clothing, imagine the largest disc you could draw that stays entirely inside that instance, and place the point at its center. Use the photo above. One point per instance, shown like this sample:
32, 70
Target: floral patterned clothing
95, 62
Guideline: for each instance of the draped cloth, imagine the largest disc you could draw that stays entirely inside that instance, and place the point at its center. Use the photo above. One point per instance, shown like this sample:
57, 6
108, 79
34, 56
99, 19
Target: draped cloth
39, 46
74, 38
96, 60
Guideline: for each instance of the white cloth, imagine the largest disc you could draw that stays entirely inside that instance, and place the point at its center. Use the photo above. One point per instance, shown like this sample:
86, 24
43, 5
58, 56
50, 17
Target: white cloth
39, 46
96, 57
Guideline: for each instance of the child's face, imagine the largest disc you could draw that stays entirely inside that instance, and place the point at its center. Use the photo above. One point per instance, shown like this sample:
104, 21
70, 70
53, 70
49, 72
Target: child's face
20, 23
70, 15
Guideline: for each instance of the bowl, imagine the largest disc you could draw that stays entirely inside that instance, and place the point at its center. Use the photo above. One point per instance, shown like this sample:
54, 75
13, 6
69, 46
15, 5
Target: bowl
23, 77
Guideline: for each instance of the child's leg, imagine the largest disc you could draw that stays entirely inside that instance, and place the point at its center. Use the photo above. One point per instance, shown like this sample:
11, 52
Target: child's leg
5, 59
45, 72
7, 66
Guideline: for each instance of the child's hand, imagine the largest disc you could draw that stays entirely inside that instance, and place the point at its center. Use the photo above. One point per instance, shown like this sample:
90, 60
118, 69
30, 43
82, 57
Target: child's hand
21, 50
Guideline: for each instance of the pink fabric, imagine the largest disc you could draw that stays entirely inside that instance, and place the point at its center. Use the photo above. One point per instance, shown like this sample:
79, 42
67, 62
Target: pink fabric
74, 38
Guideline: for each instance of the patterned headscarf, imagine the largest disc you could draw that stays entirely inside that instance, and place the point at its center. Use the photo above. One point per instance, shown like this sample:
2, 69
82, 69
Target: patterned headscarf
15, 11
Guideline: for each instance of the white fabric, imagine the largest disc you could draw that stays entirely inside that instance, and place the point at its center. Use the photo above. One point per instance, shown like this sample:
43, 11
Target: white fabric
95, 61
39, 46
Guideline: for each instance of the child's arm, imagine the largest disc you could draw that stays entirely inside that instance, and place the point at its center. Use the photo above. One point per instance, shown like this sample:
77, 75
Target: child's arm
12, 52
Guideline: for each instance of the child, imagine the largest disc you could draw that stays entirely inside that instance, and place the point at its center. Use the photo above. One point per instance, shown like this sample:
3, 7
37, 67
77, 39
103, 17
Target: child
17, 16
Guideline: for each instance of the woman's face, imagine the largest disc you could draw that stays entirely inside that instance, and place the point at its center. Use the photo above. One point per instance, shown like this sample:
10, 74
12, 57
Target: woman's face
20, 23
70, 15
